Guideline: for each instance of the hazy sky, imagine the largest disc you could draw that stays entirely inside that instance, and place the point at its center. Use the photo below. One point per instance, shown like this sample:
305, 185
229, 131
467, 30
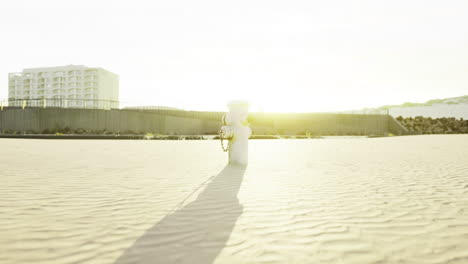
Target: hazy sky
281, 55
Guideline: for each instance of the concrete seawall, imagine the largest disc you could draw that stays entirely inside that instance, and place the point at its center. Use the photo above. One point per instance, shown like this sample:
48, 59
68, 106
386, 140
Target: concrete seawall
37, 120
320, 124
115, 120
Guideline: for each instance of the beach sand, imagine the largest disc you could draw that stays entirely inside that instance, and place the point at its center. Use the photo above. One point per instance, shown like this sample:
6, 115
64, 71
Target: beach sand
378, 200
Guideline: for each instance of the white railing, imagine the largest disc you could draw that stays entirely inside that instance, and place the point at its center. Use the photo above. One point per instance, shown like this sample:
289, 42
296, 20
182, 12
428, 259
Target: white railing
59, 102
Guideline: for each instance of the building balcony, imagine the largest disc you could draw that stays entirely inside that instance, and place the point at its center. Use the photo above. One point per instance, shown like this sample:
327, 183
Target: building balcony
59, 79
74, 91
90, 90
90, 71
90, 84
74, 73
14, 75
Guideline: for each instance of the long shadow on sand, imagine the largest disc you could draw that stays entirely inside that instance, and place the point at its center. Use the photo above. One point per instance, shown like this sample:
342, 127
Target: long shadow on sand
197, 232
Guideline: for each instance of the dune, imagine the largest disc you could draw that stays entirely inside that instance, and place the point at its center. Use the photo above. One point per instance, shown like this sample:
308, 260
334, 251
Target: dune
349, 200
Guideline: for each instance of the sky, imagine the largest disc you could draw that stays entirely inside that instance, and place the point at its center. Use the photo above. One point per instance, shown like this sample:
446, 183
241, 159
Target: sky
281, 56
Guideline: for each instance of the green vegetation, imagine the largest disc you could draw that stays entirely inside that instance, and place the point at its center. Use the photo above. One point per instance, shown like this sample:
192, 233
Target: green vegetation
450, 101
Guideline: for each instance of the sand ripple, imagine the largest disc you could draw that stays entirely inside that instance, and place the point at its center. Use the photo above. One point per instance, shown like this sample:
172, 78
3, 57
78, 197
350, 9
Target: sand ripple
382, 200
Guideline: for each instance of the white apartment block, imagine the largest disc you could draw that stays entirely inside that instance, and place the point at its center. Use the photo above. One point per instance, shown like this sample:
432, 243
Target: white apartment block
72, 86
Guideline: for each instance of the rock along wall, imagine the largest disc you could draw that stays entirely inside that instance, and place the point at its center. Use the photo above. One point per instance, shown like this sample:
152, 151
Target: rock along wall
396, 128
428, 125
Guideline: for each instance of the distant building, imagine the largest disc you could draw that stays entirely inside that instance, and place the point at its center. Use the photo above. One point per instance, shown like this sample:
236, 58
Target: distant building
73, 86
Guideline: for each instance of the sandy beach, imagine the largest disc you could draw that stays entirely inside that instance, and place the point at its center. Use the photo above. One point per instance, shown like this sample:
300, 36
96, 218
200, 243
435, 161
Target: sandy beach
351, 200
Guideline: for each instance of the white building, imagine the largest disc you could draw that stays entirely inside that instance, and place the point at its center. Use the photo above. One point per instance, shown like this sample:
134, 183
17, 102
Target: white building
72, 86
